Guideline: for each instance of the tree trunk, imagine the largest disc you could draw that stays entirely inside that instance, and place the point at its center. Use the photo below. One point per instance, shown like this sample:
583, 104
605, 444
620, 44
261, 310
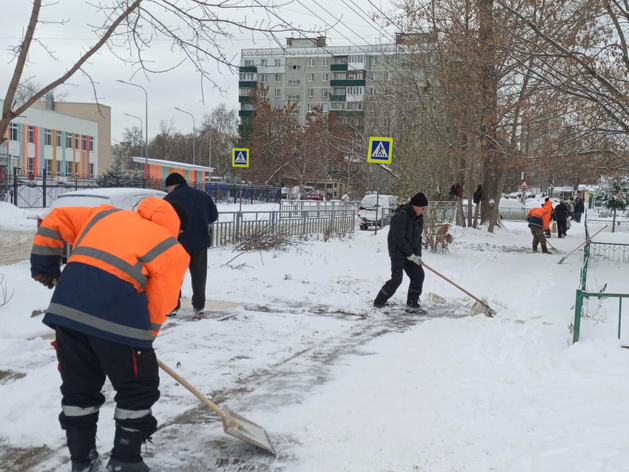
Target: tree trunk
614, 222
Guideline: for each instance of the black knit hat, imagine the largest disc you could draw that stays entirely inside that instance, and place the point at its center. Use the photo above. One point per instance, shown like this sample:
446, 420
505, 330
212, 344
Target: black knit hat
182, 213
175, 179
419, 200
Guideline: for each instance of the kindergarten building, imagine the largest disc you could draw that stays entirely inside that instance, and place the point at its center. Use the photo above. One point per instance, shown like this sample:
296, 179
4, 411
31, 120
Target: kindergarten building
158, 169
42, 140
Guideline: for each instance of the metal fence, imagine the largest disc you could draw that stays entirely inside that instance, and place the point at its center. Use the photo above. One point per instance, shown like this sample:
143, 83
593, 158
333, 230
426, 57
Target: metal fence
232, 193
232, 227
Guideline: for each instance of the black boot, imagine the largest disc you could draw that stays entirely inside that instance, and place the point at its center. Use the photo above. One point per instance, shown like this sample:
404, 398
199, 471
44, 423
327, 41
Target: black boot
412, 304
82, 446
381, 300
535, 249
126, 455
545, 250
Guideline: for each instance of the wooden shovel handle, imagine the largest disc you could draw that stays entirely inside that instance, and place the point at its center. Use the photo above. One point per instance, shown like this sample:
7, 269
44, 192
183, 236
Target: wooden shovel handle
192, 390
456, 285
583, 243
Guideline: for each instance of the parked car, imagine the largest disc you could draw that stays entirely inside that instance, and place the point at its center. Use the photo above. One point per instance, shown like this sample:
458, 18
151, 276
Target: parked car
370, 213
124, 198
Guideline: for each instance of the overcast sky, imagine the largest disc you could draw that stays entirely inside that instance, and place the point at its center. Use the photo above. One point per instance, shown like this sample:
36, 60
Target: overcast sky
177, 88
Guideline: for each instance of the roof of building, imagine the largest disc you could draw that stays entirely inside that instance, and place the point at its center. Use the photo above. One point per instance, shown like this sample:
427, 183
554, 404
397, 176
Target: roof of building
175, 164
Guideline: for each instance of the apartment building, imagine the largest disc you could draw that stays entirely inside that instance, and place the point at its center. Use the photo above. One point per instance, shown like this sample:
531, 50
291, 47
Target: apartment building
42, 140
339, 79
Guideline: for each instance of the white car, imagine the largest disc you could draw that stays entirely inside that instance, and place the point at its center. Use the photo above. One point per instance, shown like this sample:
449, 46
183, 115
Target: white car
373, 207
124, 198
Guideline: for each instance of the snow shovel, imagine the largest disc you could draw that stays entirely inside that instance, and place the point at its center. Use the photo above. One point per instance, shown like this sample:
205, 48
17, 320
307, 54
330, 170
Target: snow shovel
479, 307
233, 424
584, 242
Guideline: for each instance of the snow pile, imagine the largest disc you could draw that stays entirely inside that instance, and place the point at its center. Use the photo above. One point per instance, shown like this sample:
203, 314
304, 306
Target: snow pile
10, 215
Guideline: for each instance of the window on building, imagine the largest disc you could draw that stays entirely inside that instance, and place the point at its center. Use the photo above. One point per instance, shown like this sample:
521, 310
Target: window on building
278, 93
76, 141
294, 67
249, 106
91, 143
311, 62
373, 60
357, 59
14, 132
373, 76
326, 107
68, 140
325, 93
49, 166
371, 91
264, 62
310, 77
294, 82
262, 77
248, 63
338, 76
278, 62
31, 164
91, 170
244, 92
84, 143
248, 76
277, 106
311, 107
69, 170
355, 90
389, 75
311, 93
325, 62
31, 134
295, 111
324, 77
293, 97
59, 141
47, 137
59, 169
278, 77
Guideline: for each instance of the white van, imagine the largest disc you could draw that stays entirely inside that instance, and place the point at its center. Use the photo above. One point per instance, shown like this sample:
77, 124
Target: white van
370, 213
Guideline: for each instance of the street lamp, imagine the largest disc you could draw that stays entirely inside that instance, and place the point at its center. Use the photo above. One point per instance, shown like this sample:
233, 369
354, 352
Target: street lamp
194, 133
146, 128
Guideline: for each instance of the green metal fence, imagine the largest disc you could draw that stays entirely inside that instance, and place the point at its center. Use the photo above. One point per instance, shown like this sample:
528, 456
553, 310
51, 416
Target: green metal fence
583, 294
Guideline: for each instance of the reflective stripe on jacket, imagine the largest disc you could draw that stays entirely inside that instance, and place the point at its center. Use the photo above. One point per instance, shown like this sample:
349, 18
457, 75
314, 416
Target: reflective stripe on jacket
124, 273
536, 217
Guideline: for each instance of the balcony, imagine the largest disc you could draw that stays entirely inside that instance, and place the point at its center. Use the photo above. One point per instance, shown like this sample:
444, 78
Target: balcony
338, 98
338, 67
349, 113
347, 83
244, 99
248, 69
245, 112
249, 84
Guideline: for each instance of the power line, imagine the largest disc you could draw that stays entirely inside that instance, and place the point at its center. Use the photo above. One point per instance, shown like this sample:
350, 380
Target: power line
369, 20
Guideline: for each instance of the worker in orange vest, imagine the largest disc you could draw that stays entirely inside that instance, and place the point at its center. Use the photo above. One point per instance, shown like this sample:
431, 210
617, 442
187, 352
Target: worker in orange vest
121, 280
536, 218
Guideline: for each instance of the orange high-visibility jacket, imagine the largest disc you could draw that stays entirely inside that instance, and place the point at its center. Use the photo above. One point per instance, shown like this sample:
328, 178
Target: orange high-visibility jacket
124, 274
548, 206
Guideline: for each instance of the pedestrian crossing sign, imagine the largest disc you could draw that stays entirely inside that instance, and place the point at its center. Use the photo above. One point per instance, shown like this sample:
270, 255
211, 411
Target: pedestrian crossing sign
240, 157
380, 150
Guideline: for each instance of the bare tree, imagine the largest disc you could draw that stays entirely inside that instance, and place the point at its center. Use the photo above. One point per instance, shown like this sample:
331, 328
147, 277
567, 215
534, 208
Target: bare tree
128, 28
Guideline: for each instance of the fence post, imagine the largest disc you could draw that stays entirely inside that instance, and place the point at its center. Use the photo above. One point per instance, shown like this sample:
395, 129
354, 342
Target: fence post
44, 187
15, 186
619, 315
332, 221
252, 194
304, 220
237, 235
273, 222
76, 183
577, 316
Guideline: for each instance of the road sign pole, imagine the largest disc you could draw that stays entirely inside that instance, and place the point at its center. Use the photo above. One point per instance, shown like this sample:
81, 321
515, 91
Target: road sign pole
240, 191
377, 199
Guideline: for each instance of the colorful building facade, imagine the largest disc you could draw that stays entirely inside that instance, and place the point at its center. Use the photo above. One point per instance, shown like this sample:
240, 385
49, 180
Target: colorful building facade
42, 140
158, 169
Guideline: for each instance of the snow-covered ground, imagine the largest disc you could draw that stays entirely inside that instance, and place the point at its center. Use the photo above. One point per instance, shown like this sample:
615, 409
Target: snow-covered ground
341, 387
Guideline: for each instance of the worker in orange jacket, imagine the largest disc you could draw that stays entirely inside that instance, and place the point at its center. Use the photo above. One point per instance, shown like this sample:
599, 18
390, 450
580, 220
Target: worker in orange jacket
536, 218
121, 280
548, 206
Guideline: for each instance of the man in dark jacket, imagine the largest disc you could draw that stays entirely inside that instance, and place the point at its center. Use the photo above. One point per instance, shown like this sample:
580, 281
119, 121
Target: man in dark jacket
560, 215
405, 250
196, 239
579, 208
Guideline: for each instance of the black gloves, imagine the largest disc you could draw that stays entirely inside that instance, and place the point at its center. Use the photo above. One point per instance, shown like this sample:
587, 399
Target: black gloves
46, 280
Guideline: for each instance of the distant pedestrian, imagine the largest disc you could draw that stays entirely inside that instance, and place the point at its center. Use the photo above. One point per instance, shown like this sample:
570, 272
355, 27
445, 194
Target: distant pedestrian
536, 217
405, 250
560, 215
196, 239
579, 208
